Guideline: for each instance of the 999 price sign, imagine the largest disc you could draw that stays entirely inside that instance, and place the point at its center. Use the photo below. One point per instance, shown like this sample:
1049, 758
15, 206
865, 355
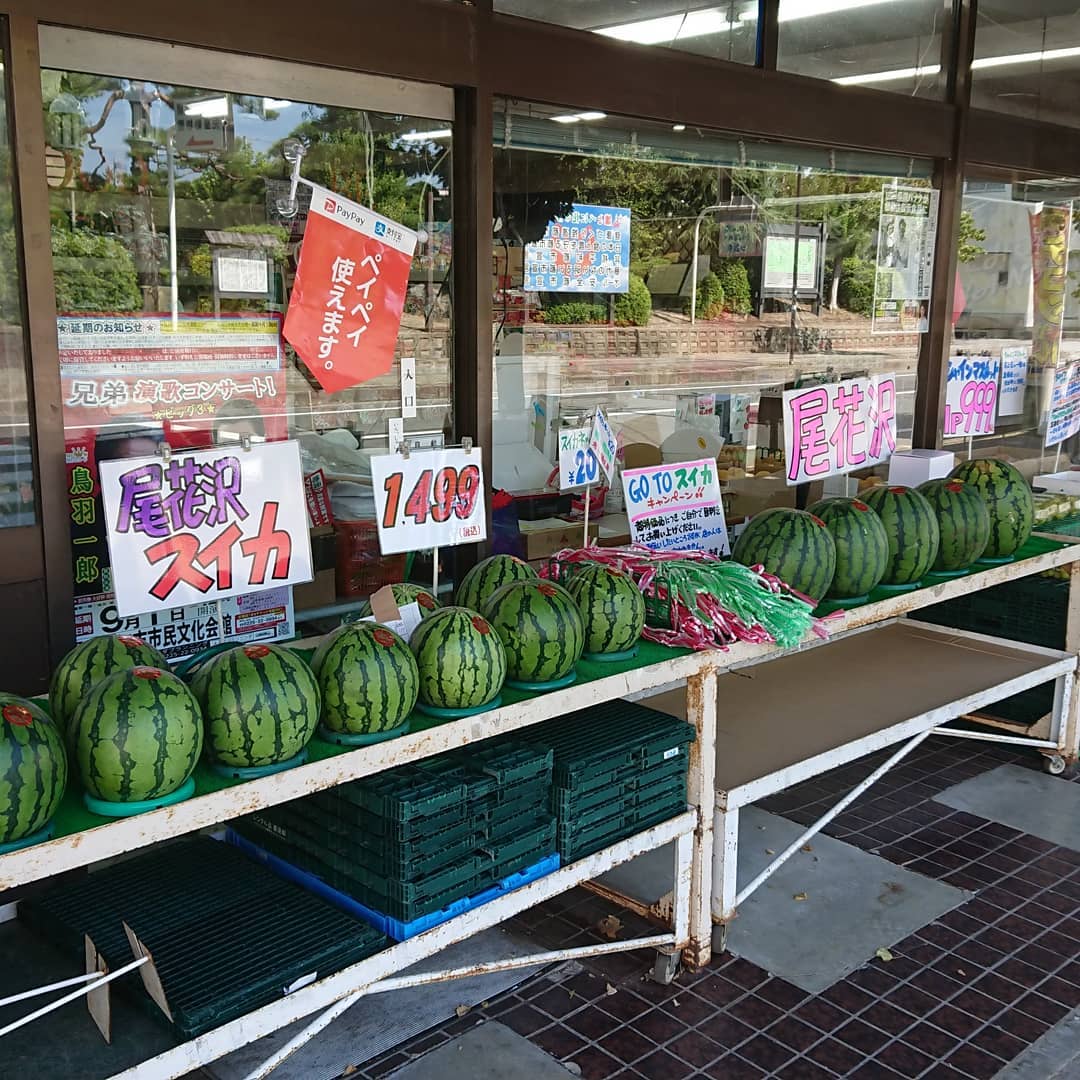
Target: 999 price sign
429, 499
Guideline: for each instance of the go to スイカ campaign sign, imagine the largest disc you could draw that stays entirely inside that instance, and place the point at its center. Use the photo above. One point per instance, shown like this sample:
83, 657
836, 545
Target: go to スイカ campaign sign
349, 293
206, 525
676, 507
839, 427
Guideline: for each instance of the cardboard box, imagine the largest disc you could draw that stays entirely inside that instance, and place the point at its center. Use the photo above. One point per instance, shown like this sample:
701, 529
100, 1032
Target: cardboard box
548, 535
323, 548
749, 495
910, 468
317, 593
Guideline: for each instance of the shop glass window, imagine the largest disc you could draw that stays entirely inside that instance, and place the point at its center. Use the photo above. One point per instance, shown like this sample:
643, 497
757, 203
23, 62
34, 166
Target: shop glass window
580, 324
1027, 59
16, 447
1016, 322
890, 45
172, 221
724, 31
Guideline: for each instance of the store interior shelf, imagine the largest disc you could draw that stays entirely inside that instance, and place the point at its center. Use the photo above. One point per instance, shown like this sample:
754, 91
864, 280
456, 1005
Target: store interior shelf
365, 975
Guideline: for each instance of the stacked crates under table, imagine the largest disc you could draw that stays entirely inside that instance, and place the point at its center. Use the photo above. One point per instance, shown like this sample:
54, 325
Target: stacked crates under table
415, 846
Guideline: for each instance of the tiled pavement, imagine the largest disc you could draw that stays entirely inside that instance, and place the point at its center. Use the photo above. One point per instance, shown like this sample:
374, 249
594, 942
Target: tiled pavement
960, 998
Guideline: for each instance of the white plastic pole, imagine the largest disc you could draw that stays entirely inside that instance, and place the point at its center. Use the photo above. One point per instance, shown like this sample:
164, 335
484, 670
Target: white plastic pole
38, 990
174, 280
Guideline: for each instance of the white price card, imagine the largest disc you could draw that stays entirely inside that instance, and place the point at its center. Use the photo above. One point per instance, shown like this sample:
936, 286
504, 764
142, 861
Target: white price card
578, 466
676, 507
429, 499
603, 444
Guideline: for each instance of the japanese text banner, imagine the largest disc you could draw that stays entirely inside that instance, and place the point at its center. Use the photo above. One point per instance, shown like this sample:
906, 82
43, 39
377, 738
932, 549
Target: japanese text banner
349, 292
676, 507
839, 427
203, 526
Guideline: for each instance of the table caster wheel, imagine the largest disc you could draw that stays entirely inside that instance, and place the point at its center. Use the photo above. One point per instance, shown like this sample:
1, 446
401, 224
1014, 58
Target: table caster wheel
1054, 764
666, 967
719, 938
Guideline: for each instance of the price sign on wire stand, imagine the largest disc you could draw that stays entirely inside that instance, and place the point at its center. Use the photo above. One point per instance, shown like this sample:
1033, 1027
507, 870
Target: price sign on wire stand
429, 499
578, 466
971, 395
603, 444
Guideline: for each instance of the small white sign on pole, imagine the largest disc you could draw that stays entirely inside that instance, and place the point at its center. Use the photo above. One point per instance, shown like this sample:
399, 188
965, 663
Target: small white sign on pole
676, 507
430, 499
408, 387
971, 394
1014, 373
578, 466
395, 426
205, 525
603, 443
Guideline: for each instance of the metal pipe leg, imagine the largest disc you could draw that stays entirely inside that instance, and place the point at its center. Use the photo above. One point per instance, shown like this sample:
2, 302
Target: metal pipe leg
725, 871
701, 792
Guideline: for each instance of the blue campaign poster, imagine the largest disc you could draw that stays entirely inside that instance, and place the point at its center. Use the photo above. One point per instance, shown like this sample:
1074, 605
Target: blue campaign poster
588, 251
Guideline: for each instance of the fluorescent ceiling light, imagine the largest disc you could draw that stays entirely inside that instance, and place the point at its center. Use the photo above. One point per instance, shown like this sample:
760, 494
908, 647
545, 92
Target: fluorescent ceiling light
804, 9
678, 127
1023, 58
887, 76
211, 108
426, 136
669, 28
573, 118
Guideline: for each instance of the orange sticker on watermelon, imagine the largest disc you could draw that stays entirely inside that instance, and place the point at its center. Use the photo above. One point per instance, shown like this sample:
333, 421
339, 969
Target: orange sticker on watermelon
346, 303
18, 715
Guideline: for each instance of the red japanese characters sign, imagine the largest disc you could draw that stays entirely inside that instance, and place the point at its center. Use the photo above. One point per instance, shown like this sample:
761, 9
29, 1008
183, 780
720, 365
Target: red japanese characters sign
349, 293
840, 427
204, 526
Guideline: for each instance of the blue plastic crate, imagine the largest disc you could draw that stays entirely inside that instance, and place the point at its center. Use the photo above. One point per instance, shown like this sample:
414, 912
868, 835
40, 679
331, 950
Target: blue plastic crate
394, 928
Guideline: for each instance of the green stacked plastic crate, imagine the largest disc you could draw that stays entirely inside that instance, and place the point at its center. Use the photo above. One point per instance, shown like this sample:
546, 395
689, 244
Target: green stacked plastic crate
226, 934
619, 768
410, 841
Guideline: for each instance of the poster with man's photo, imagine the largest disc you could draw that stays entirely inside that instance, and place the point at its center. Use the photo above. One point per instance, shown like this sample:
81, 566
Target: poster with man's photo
907, 233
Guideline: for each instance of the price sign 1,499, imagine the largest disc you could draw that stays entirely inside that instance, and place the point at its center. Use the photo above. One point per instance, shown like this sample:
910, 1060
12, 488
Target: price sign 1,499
429, 499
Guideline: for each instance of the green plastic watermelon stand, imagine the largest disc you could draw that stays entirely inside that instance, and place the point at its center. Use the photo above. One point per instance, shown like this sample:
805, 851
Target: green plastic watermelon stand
995, 560
131, 809
28, 841
542, 687
948, 575
439, 713
610, 657
834, 603
366, 738
256, 772
892, 590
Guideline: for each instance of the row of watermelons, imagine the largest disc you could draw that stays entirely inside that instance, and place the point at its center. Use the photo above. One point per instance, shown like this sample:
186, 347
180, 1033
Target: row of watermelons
840, 549
134, 730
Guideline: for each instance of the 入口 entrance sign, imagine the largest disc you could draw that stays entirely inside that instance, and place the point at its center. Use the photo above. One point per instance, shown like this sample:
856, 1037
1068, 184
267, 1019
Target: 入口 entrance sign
205, 525
839, 427
349, 293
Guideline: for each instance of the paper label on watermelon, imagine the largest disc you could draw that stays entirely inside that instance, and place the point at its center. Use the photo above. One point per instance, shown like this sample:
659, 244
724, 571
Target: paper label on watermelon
18, 715
146, 672
256, 652
481, 625
130, 641
384, 637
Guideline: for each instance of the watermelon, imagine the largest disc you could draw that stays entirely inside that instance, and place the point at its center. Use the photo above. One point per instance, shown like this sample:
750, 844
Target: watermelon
368, 679
487, 576
963, 522
791, 544
406, 593
912, 528
260, 704
540, 627
87, 664
1008, 502
138, 735
33, 769
862, 548
611, 605
461, 659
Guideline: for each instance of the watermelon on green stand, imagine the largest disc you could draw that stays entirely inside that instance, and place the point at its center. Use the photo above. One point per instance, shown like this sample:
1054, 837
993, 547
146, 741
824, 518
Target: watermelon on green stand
862, 548
541, 629
1008, 500
138, 735
369, 682
90, 662
912, 528
261, 706
461, 660
963, 522
489, 575
612, 608
792, 545
406, 593
33, 771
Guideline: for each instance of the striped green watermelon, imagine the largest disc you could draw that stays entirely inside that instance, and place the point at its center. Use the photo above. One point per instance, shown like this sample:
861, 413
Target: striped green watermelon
87, 664
461, 659
368, 679
540, 628
138, 735
487, 576
912, 528
862, 548
611, 605
33, 769
963, 522
260, 703
791, 544
405, 593
1008, 501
